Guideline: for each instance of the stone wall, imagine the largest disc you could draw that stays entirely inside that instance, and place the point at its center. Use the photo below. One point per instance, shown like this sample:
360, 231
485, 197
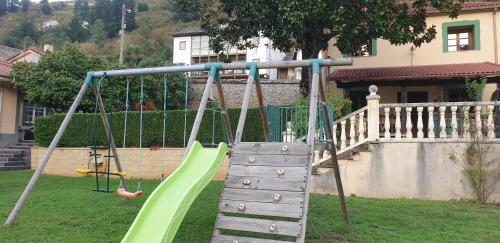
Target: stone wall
138, 163
275, 92
404, 170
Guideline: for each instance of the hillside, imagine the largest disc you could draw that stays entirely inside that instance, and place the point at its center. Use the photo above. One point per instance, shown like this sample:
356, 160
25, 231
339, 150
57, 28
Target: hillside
152, 38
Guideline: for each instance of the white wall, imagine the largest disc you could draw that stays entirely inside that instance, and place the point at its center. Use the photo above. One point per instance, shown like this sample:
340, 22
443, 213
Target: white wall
182, 56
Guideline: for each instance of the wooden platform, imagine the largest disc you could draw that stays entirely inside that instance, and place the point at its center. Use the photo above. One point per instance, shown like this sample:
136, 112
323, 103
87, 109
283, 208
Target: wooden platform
265, 193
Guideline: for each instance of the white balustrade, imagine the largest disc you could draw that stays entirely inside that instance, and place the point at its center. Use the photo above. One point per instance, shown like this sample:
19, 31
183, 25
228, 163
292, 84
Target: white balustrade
466, 133
430, 126
398, 122
343, 136
442, 122
335, 133
490, 124
409, 134
387, 125
420, 123
479, 125
352, 133
454, 123
361, 127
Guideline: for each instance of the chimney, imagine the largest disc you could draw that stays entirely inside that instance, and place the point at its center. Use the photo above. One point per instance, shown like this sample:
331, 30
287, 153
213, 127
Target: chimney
48, 47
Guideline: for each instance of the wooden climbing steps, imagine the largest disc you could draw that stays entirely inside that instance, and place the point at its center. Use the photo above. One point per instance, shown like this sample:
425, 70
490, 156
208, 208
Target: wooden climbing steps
265, 195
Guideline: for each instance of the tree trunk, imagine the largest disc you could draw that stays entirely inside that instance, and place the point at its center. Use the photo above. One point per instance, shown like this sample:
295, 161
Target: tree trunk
310, 50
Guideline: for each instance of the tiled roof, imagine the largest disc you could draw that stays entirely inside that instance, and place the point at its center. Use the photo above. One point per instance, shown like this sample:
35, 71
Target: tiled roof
5, 68
443, 71
189, 31
8, 52
467, 6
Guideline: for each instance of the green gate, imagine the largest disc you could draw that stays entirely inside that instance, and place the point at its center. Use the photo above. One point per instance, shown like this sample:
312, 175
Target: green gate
289, 123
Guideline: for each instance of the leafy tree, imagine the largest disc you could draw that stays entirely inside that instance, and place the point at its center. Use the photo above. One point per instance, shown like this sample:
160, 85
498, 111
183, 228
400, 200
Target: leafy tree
13, 5
3, 7
142, 7
45, 7
76, 31
82, 9
309, 25
56, 79
98, 33
25, 5
181, 15
133, 55
110, 13
23, 29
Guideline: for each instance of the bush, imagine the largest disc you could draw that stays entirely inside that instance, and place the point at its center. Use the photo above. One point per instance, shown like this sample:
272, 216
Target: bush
142, 7
79, 131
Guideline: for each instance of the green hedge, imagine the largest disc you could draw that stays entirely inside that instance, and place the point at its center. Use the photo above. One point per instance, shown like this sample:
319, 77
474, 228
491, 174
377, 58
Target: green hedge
79, 131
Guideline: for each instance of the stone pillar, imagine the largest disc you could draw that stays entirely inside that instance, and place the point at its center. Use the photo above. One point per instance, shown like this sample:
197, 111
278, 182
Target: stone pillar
372, 101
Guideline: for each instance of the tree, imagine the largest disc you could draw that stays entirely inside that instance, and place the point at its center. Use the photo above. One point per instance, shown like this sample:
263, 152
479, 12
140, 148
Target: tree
309, 25
98, 33
82, 9
55, 80
76, 31
142, 7
3, 7
23, 30
45, 7
13, 5
25, 5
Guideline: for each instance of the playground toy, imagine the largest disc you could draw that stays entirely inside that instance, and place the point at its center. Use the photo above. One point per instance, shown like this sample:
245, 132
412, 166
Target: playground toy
266, 191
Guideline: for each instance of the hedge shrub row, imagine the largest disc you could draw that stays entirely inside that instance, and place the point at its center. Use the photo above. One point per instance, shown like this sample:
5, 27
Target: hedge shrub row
79, 131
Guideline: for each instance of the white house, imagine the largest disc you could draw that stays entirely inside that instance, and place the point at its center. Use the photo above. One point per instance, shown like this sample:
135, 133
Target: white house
191, 47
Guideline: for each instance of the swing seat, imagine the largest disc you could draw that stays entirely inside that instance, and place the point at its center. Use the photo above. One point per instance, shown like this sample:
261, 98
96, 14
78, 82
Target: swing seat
124, 193
88, 171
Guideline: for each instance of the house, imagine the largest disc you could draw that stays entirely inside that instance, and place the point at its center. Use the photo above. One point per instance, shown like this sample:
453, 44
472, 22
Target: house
191, 47
467, 46
16, 114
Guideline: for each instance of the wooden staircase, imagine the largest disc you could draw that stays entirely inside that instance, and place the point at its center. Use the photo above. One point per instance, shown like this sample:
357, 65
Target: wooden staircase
265, 195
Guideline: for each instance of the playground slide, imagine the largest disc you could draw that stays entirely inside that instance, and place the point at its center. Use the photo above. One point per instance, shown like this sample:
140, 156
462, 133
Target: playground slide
164, 210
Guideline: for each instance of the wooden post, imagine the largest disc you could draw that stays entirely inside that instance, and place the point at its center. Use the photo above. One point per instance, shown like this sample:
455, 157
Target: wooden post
244, 109
105, 121
262, 111
225, 115
333, 152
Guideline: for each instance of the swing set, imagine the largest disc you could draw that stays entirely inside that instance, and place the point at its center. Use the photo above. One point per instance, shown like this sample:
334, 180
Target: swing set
100, 165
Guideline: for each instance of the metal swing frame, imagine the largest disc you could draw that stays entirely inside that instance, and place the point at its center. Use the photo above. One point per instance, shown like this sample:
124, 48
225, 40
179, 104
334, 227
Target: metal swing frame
317, 95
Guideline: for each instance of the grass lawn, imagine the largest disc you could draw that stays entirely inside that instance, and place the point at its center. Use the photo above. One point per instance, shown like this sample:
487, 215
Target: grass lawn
63, 209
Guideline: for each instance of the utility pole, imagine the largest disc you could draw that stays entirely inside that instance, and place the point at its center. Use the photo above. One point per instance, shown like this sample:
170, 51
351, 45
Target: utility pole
122, 33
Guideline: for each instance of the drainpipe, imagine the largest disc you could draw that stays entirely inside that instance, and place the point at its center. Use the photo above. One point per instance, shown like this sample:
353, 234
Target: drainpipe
495, 34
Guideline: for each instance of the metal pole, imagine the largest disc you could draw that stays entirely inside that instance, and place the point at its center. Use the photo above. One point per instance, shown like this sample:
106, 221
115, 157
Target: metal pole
17, 208
333, 152
122, 33
140, 119
262, 112
244, 109
126, 115
199, 114
165, 90
185, 110
107, 127
222, 66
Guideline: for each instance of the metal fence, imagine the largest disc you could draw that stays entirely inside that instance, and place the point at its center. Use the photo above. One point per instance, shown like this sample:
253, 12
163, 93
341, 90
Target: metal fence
289, 123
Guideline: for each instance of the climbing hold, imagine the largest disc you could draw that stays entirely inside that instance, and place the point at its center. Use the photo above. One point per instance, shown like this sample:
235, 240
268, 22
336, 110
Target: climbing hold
242, 207
273, 228
284, 148
235, 241
246, 182
251, 159
277, 197
281, 171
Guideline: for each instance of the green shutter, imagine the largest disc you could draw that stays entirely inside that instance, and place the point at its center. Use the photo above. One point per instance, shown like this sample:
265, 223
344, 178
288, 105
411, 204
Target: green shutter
374, 47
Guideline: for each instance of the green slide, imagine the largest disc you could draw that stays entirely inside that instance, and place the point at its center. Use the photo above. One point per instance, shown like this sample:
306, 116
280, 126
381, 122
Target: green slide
164, 210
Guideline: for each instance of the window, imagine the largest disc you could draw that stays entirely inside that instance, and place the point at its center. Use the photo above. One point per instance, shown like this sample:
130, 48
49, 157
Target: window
31, 113
460, 39
182, 45
461, 36
282, 73
368, 49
